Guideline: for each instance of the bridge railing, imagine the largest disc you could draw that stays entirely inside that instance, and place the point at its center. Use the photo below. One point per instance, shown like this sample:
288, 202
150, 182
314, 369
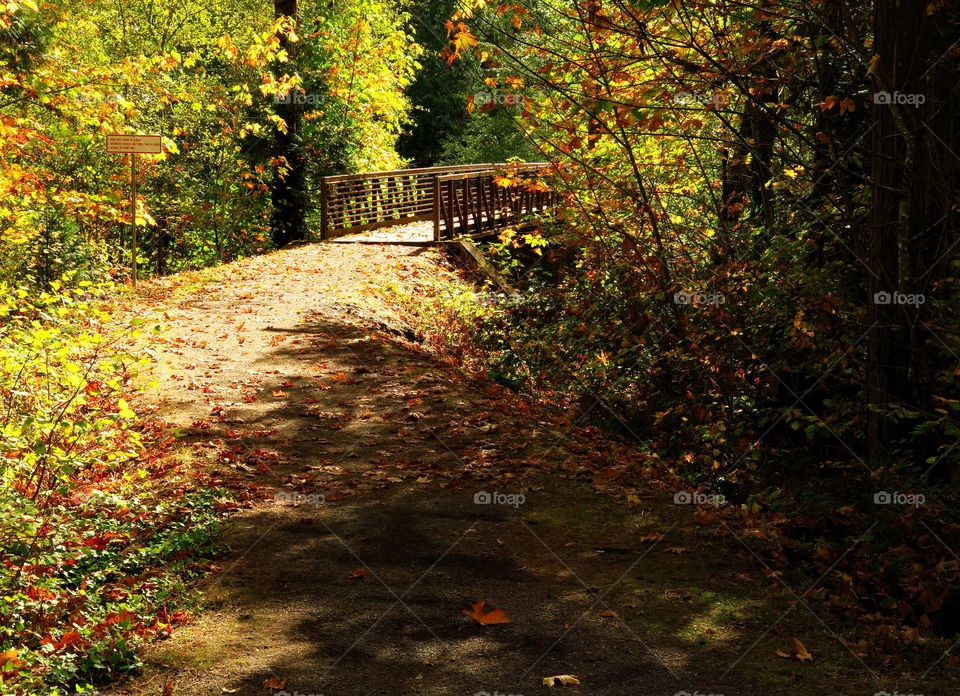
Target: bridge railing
474, 203
352, 203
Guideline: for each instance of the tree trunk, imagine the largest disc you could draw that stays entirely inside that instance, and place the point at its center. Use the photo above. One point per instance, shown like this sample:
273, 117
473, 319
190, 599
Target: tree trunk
289, 183
915, 178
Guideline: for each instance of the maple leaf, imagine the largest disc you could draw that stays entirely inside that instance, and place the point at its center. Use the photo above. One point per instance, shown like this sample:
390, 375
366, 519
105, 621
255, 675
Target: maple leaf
562, 679
493, 617
652, 536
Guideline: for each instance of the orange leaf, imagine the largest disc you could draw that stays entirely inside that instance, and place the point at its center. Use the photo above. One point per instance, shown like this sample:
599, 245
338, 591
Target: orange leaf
802, 653
494, 617
279, 393
652, 536
275, 683
829, 103
704, 516
799, 652
358, 573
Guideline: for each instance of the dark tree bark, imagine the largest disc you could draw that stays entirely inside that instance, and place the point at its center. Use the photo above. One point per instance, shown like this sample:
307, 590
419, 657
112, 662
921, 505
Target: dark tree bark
913, 217
288, 189
745, 175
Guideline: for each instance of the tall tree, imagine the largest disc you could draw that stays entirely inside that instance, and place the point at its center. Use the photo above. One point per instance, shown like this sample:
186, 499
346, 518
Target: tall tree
289, 184
916, 179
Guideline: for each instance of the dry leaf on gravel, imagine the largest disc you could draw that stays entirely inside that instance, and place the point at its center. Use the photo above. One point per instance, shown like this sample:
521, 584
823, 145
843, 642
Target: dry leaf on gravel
494, 617
562, 679
275, 683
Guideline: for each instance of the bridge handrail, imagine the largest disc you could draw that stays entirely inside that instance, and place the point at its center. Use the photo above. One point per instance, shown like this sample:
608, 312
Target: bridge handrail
356, 202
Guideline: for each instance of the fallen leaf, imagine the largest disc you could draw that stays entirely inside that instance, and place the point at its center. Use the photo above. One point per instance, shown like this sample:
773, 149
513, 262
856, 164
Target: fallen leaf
494, 617
279, 683
677, 550
279, 393
358, 573
609, 613
799, 652
562, 679
652, 536
704, 516
802, 654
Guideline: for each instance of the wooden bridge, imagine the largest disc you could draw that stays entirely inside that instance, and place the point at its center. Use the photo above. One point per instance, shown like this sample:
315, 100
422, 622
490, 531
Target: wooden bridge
461, 201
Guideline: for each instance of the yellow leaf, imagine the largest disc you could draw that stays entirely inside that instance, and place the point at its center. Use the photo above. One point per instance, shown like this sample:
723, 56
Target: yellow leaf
562, 679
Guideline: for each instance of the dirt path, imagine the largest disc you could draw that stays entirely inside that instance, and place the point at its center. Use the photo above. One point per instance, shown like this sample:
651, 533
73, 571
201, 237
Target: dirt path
363, 451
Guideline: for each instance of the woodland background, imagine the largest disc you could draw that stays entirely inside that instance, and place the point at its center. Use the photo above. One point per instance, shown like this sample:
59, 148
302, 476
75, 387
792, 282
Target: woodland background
754, 273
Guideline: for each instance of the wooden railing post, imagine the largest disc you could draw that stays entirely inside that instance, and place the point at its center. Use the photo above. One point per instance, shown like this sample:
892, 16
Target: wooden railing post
451, 192
324, 209
437, 202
